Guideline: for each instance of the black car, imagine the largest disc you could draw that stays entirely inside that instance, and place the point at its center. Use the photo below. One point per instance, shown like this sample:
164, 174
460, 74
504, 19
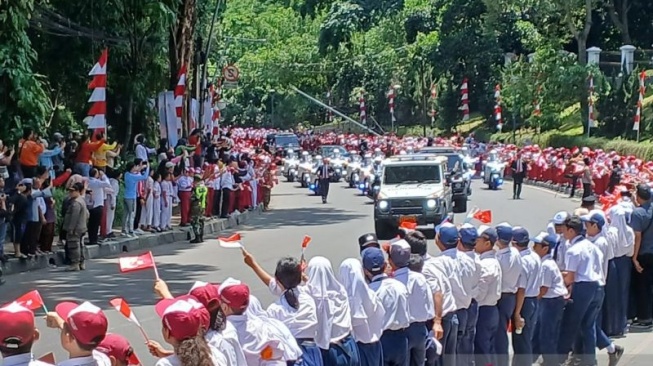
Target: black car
460, 185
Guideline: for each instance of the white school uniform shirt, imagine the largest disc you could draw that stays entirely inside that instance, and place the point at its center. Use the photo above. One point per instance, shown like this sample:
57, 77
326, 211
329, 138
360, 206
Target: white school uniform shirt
255, 334
530, 278
97, 186
367, 311
450, 267
115, 188
510, 262
552, 279
227, 180
288, 345
394, 297
185, 183
156, 190
472, 264
227, 343
623, 236
302, 322
601, 242
585, 260
97, 359
26, 359
489, 284
439, 283
172, 360
420, 296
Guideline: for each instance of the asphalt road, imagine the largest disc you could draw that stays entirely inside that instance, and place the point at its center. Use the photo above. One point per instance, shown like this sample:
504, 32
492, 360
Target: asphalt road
334, 228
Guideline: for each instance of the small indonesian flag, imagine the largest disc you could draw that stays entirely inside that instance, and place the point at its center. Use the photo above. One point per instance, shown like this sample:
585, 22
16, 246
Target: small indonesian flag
123, 308
48, 358
484, 216
306, 241
132, 264
232, 242
408, 225
31, 300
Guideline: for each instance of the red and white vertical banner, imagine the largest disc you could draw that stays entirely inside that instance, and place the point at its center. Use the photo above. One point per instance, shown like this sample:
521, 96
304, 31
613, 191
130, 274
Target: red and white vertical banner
180, 91
329, 98
96, 119
363, 109
391, 102
497, 106
216, 96
640, 100
434, 99
464, 98
591, 122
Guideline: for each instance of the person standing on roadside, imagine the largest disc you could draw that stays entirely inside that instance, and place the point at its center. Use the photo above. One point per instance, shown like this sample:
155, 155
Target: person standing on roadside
641, 222
75, 224
29, 150
519, 169
133, 176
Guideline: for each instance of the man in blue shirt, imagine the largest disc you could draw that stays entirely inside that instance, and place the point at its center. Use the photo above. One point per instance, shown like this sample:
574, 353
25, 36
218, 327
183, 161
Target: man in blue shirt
133, 175
641, 221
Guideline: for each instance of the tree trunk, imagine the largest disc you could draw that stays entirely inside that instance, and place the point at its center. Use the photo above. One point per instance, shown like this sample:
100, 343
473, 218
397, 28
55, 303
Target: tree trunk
584, 91
620, 19
130, 120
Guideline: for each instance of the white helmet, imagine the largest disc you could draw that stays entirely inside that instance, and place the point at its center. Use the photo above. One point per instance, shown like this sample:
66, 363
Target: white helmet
378, 159
318, 157
290, 151
304, 153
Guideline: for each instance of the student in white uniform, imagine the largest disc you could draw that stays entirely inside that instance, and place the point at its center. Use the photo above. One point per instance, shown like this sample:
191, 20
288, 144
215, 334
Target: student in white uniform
147, 211
525, 315
156, 203
394, 297
584, 274
167, 196
420, 300
119, 350
220, 334
80, 341
112, 198
444, 326
17, 336
333, 314
367, 312
471, 271
552, 301
510, 262
489, 293
557, 226
595, 224
183, 324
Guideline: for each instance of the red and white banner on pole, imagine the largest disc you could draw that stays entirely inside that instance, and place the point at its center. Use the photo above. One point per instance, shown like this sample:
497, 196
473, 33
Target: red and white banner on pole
363, 109
640, 100
391, 102
216, 96
497, 106
97, 113
434, 99
591, 122
464, 98
180, 91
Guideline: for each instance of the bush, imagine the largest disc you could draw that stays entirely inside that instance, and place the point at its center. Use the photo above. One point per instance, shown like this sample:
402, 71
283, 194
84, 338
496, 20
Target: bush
643, 150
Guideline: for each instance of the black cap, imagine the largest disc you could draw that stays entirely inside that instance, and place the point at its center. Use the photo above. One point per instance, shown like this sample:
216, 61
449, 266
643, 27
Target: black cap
78, 186
368, 240
589, 199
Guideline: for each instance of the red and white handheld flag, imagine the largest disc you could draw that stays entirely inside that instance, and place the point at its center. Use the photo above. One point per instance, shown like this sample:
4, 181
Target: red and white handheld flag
232, 242
306, 241
97, 114
484, 216
138, 263
123, 308
48, 358
32, 300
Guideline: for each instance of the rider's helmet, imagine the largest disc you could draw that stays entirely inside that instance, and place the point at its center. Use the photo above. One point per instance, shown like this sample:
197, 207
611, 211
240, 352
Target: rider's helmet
336, 153
378, 160
402, 152
492, 156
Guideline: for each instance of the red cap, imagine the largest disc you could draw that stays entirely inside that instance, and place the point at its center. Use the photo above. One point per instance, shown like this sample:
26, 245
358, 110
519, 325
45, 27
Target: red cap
17, 327
235, 294
118, 347
182, 316
205, 293
87, 322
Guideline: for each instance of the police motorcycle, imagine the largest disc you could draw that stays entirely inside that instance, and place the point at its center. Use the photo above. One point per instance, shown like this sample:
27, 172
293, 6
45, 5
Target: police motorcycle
493, 171
305, 169
337, 163
468, 167
314, 180
352, 169
378, 154
291, 166
374, 180
366, 174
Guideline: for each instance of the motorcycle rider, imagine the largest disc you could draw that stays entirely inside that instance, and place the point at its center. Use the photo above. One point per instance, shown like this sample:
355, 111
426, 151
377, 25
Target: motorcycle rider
324, 173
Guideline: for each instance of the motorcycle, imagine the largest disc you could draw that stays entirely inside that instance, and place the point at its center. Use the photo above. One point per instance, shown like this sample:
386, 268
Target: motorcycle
493, 174
305, 171
291, 168
352, 173
338, 169
374, 188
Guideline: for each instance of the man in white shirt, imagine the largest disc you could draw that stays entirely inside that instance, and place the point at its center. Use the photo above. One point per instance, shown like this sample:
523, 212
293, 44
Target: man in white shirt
470, 266
557, 225
583, 273
489, 293
97, 183
525, 315
510, 262
420, 300
394, 297
552, 301
17, 336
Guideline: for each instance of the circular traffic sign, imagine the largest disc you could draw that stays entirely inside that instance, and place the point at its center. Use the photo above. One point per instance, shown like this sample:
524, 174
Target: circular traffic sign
231, 73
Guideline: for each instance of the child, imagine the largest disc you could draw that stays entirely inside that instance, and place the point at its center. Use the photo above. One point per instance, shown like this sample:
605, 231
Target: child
119, 351
148, 202
17, 335
184, 188
156, 202
167, 194
114, 179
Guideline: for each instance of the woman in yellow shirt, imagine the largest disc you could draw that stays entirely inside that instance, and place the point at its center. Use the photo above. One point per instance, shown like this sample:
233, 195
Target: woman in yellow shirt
100, 155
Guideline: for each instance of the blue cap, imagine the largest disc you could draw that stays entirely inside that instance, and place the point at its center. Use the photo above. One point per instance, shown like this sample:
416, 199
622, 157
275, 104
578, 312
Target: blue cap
596, 217
544, 238
468, 235
520, 235
373, 259
489, 232
448, 234
504, 232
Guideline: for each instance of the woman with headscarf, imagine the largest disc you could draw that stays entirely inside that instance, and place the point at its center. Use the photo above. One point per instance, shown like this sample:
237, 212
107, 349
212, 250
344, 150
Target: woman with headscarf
366, 312
622, 239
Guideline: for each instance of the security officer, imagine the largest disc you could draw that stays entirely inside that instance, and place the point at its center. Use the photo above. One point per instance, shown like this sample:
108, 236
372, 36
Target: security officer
588, 202
368, 240
197, 207
529, 283
324, 173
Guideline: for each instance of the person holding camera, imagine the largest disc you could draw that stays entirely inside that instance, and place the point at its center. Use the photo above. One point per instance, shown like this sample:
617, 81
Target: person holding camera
133, 175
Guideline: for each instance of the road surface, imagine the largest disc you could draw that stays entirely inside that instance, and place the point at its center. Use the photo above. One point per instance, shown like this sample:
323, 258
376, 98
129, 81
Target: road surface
334, 227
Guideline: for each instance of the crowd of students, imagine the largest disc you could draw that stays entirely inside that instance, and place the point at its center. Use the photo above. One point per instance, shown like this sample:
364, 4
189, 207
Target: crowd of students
560, 295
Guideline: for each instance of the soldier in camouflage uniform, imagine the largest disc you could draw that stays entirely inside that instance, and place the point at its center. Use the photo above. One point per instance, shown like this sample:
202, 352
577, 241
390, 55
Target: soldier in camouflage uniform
197, 207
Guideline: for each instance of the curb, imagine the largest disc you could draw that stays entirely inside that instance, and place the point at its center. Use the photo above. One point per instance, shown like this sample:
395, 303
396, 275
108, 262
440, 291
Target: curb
123, 245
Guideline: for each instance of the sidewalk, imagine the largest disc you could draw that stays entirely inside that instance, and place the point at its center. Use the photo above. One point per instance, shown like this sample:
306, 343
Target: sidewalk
121, 244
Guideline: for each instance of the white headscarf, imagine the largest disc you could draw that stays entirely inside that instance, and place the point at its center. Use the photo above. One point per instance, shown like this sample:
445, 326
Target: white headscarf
624, 236
334, 317
363, 302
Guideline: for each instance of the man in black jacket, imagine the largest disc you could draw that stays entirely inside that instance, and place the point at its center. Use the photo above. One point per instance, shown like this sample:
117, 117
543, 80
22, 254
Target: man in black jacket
324, 173
519, 168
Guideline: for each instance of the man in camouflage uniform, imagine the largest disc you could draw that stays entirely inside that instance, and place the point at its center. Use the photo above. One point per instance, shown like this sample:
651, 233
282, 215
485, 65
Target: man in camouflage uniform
197, 208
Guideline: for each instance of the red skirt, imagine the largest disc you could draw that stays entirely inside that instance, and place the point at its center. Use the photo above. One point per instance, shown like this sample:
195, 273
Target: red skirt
184, 209
208, 211
245, 197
